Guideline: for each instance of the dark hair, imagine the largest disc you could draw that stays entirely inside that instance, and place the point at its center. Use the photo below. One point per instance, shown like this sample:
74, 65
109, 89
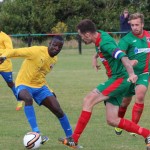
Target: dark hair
58, 37
86, 25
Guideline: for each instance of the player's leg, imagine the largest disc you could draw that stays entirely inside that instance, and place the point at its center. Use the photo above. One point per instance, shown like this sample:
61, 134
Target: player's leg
52, 104
19, 102
102, 92
140, 92
139, 103
129, 126
89, 102
122, 110
123, 107
25, 93
48, 99
7, 76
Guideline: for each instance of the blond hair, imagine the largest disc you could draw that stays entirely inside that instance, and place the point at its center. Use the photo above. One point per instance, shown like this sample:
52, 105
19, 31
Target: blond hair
136, 16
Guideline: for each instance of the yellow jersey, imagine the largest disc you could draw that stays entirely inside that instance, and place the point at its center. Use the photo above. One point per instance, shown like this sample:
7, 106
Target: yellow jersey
35, 67
5, 43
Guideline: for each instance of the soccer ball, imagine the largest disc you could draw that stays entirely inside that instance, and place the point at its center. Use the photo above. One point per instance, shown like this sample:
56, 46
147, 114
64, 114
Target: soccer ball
32, 140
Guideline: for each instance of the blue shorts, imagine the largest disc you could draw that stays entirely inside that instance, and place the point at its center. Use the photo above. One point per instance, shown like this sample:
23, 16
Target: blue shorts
38, 94
7, 76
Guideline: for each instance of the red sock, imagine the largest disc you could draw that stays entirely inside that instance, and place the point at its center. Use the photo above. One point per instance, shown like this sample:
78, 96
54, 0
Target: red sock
137, 112
132, 127
122, 111
81, 124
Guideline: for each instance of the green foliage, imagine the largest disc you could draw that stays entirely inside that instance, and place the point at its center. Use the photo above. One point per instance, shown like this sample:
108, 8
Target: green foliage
30, 16
37, 16
61, 27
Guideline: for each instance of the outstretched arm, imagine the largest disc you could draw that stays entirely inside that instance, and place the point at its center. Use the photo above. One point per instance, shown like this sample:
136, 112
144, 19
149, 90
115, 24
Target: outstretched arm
27, 52
17, 53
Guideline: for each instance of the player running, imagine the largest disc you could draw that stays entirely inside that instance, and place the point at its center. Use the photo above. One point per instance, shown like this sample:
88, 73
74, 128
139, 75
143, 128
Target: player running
119, 70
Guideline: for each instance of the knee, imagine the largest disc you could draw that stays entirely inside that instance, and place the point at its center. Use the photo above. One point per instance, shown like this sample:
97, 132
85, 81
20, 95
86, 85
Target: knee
59, 113
87, 104
140, 98
10, 84
112, 121
125, 104
27, 100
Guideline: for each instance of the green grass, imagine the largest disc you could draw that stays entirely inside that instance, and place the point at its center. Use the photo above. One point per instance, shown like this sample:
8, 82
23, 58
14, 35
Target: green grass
72, 78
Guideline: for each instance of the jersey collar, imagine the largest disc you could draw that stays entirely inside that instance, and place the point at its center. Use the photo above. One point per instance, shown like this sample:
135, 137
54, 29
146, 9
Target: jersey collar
98, 39
140, 36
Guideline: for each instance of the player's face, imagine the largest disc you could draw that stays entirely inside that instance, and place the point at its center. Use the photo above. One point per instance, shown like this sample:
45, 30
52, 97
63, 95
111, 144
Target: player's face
55, 47
137, 26
86, 37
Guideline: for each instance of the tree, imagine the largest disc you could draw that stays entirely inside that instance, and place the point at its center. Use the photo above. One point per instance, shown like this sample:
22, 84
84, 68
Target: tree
30, 16
38, 16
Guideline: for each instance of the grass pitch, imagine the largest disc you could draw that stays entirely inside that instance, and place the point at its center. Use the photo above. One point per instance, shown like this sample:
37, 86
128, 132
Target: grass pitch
71, 79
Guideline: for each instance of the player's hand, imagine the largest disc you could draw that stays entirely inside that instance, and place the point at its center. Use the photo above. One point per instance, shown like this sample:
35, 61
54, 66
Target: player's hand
97, 67
133, 62
95, 64
2, 59
132, 78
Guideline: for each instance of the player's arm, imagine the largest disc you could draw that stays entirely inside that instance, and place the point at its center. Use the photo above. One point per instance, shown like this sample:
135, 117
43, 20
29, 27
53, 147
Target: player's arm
95, 64
126, 62
19, 52
116, 53
132, 62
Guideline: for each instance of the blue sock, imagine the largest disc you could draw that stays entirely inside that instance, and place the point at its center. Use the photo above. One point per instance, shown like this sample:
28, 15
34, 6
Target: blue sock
66, 125
14, 91
30, 114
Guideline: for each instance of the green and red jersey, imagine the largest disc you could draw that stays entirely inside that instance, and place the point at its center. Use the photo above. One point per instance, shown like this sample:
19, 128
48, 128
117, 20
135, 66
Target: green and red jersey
110, 55
137, 47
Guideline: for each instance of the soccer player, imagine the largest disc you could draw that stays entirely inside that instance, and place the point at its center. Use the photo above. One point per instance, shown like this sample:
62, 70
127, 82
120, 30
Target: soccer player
6, 67
31, 81
136, 45
119, 72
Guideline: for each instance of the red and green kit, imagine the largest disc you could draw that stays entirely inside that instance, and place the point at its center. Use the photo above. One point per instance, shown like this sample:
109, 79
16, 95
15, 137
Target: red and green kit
137, 48
110, 55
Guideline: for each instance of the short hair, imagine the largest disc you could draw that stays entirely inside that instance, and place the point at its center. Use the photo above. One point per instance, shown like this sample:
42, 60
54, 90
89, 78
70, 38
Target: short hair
125, 10
58, 37
86, 25
136, 16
